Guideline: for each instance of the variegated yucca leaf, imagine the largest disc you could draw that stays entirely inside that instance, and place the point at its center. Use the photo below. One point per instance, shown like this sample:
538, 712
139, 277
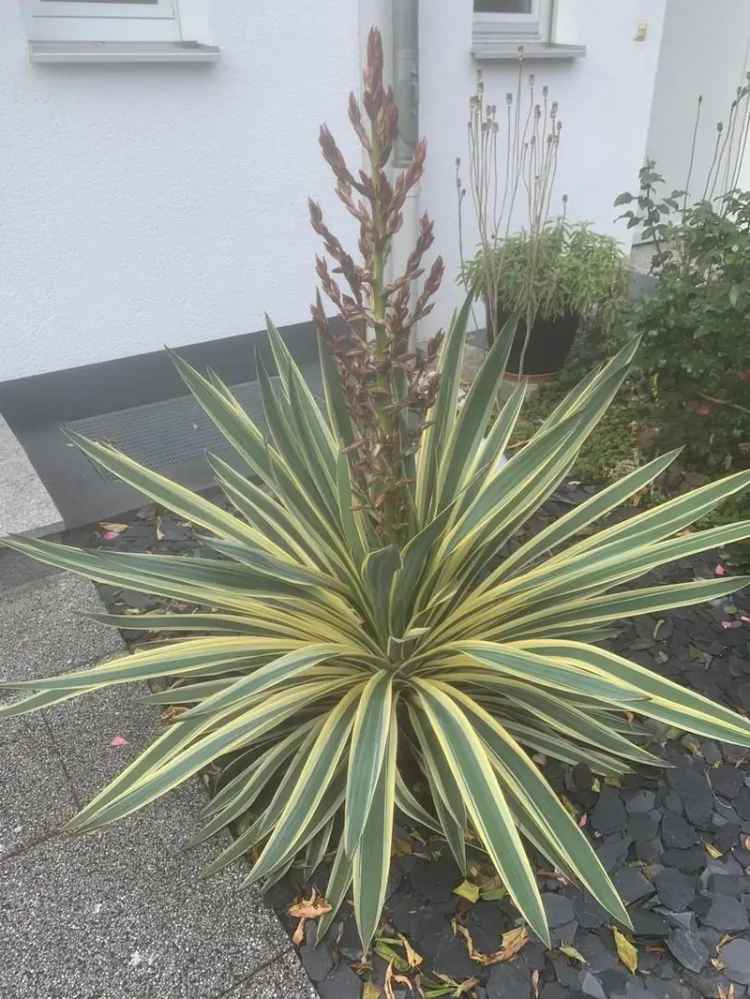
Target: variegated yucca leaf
336, 681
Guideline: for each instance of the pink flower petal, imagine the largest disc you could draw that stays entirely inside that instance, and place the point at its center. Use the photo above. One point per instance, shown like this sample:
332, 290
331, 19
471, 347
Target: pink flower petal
118, 741
109, 535
720, 570
728, 625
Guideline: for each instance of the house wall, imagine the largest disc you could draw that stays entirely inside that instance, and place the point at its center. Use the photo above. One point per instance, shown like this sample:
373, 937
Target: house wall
144, 204
605, 101
705, 51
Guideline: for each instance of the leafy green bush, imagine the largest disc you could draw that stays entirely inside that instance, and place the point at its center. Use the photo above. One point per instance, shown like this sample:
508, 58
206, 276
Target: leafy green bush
565, 269
696, 323
358, 623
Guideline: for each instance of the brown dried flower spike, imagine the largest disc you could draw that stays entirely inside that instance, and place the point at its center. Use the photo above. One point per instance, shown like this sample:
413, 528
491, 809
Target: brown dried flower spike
388, 387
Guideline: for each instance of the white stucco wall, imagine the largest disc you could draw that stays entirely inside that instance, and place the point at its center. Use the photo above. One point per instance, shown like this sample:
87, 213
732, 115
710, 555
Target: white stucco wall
605, 105
142, 205
705, 51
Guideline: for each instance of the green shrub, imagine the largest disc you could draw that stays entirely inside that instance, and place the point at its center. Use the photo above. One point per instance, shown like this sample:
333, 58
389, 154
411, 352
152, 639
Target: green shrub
357, 624
695, 325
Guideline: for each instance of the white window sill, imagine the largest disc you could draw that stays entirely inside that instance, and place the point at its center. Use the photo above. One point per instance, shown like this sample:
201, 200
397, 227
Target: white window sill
98, 52
490, 50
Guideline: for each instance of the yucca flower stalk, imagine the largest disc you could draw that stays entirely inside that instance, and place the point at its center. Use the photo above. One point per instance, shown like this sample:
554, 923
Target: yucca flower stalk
323, 668
388, 387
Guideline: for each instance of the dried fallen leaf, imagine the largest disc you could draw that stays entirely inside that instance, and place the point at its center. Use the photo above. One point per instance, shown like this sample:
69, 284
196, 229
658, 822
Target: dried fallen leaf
510, 944
413, 959
371, 991
110, 528
402, 847
712, 851
468, 891
625, 951
391, 977
493, 894
572, 953
307, 908
535, 982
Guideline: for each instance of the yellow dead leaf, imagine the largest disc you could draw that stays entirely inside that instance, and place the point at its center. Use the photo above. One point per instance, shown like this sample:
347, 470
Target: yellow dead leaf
413, 959
712, 851
572, 953
493, 894
626, 951
402, 847
371, 991
299, 934
391, 977
511, 943
468, 891
112, 528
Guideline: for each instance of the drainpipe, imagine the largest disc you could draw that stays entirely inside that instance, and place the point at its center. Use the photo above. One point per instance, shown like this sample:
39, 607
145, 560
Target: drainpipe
405, 26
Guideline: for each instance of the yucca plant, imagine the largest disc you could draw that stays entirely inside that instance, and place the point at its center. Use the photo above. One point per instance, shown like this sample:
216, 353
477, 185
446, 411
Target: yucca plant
368, 614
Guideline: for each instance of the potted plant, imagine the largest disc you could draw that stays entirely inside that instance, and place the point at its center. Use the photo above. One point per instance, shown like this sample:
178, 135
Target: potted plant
561, 277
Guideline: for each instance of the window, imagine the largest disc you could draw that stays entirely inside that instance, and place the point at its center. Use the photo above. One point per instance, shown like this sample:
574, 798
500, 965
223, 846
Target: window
118, 30
105, 20
501, 27
516, 21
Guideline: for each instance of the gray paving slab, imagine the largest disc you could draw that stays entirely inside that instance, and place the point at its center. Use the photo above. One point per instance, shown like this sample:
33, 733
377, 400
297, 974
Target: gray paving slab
122, 913
284, 978
35, 794
43, 633
25, 505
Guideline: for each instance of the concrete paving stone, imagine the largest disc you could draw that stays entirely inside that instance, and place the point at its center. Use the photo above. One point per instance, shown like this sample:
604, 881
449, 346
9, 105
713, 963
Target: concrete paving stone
43, 633
35, 793
284, 978
25, 505
83, 730
123, 913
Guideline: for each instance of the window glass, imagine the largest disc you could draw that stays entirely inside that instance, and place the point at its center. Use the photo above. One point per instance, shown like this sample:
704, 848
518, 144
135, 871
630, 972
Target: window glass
503, 6
152, 2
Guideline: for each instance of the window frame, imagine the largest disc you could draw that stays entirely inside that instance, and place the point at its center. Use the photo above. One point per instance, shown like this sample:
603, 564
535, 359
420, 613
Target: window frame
162, 9
521, 29
64, 22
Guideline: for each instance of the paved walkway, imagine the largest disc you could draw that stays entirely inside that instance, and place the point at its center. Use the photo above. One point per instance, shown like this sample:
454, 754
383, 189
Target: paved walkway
122, 913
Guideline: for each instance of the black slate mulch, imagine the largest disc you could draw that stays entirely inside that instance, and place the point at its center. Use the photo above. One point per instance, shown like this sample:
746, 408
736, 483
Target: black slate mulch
677, 843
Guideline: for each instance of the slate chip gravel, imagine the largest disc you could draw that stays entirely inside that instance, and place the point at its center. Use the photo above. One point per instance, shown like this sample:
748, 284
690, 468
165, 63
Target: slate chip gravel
690, 909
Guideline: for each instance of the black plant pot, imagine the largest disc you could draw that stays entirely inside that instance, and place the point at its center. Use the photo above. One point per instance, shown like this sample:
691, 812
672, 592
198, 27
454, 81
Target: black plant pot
548, 347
